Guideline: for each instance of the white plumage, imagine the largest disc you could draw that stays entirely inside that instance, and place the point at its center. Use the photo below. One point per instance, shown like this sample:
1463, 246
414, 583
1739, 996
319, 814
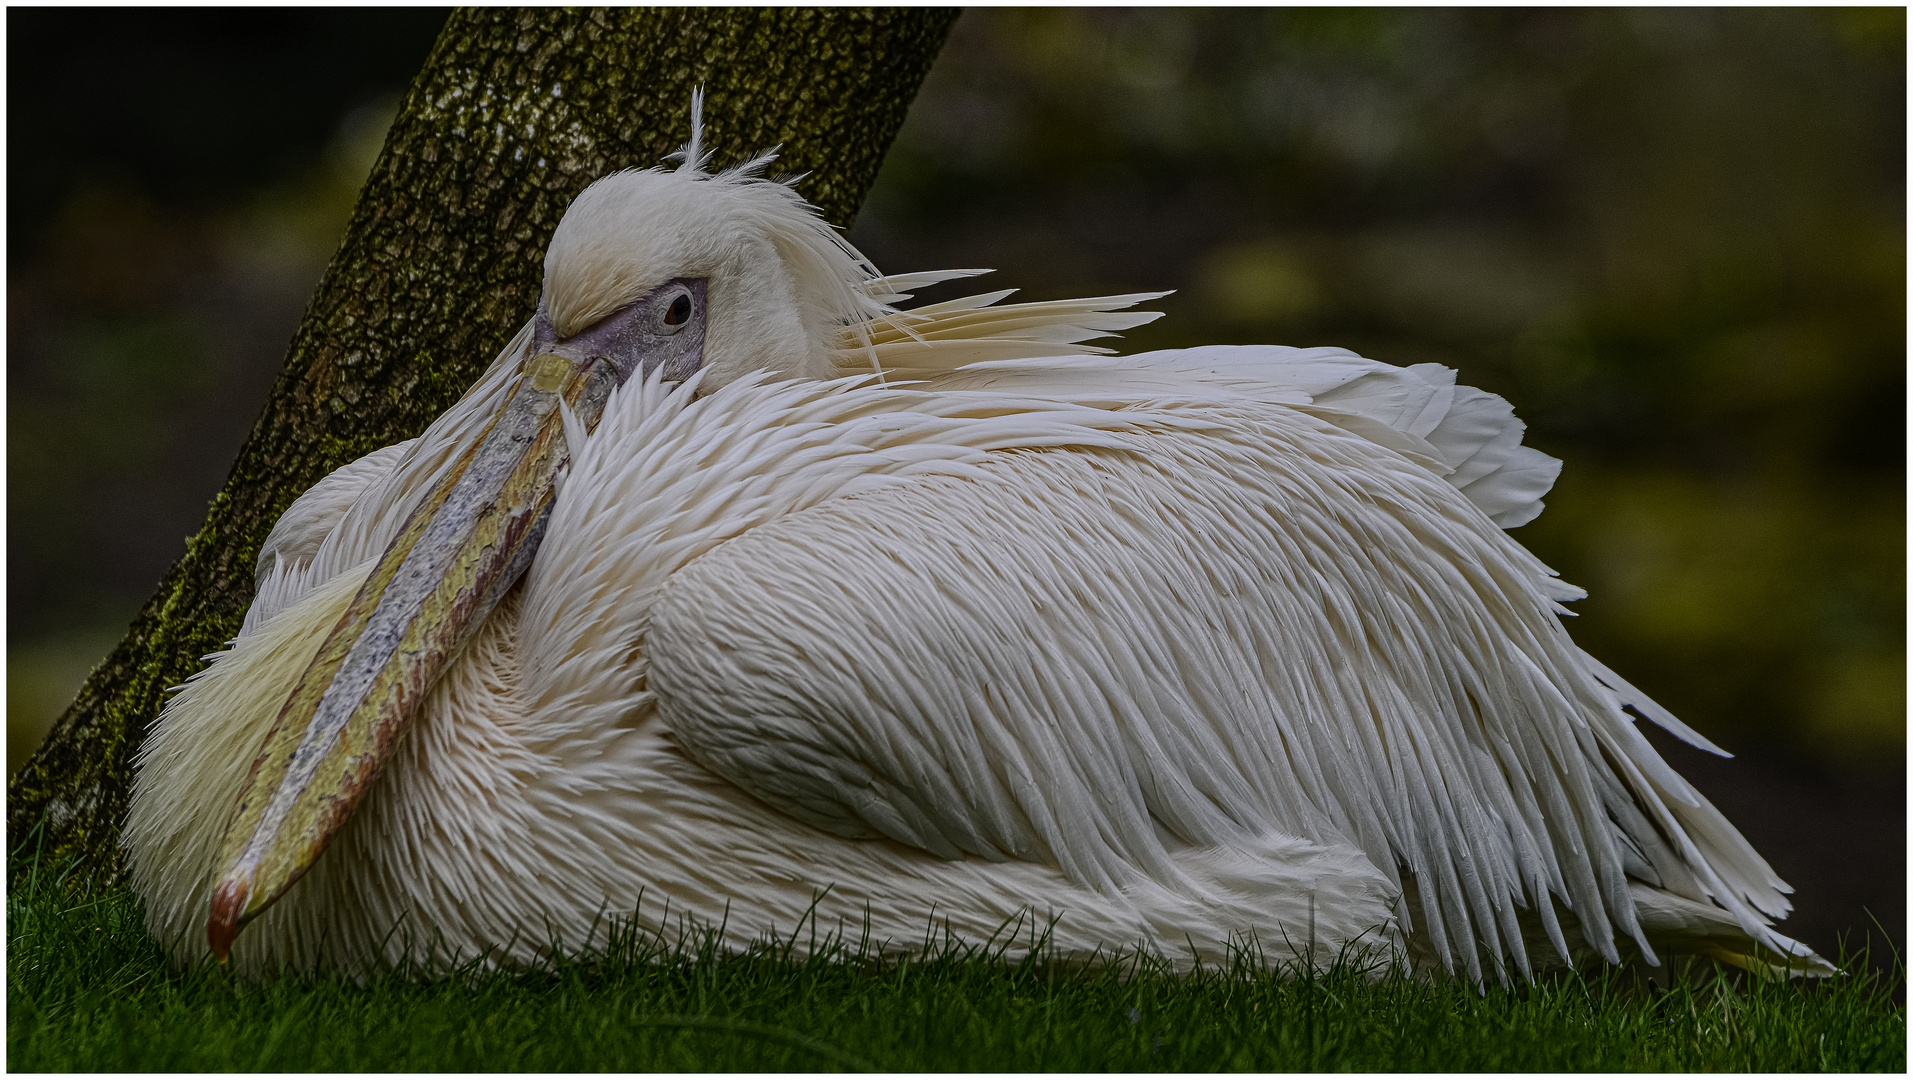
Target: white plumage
1174, 649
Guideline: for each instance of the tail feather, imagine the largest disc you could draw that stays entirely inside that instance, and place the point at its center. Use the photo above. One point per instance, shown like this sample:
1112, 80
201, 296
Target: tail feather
1680, 925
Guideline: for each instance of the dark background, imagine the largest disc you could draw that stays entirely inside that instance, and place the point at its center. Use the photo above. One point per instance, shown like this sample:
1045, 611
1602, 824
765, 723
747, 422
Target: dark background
1674, 239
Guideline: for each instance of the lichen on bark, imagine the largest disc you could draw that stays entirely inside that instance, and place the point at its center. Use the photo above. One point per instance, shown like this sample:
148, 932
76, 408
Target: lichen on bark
512, 115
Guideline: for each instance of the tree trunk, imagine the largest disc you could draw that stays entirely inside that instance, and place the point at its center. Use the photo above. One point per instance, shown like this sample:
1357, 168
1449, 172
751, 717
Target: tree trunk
513, 114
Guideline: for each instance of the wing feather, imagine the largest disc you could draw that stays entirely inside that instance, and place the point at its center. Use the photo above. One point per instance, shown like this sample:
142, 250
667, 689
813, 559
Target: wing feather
296, 536
977, 342
1467, 435
1232, 620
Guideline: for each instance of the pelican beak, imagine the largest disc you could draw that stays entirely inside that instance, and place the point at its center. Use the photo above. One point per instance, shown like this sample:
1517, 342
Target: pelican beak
468, 541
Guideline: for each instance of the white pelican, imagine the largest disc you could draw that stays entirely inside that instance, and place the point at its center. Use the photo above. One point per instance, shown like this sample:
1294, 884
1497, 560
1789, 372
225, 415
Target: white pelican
669, 619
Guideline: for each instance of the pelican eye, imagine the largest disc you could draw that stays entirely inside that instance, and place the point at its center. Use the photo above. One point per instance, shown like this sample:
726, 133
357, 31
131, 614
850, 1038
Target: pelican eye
680, 310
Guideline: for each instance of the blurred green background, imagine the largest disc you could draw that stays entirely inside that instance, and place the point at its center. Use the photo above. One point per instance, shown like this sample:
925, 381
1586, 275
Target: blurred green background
1675, 239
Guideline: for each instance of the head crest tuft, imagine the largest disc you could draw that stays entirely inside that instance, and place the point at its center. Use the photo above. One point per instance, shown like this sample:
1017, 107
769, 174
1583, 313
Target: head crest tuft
692, 157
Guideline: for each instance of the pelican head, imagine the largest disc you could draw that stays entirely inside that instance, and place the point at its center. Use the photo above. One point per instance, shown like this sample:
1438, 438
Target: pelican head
679, 273
781, 282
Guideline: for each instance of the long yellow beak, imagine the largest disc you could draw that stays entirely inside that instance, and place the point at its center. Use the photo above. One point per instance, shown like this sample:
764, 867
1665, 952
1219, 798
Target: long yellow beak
462, 548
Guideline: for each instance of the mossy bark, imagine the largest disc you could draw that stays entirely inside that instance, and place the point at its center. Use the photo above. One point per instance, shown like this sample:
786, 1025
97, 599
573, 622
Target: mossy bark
513, 114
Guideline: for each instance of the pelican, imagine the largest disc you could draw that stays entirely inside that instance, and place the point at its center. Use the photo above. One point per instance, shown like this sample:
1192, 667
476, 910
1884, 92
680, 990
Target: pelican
737, 594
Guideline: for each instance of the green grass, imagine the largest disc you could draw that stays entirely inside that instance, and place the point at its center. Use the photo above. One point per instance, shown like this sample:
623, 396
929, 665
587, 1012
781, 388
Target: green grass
87, 990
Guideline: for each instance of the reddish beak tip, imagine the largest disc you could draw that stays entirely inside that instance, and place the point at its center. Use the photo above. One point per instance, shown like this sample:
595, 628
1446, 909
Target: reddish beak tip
229, 901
